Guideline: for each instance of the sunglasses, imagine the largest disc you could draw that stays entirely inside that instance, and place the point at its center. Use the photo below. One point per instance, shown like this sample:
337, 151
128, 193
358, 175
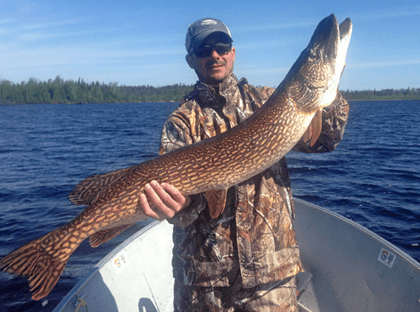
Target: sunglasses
207, 50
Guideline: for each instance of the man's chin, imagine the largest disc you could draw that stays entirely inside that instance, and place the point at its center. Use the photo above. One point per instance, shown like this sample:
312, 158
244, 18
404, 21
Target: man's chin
218, 78
214, 78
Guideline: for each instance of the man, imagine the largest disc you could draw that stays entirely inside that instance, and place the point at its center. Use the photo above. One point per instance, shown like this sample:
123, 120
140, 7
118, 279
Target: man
247, 258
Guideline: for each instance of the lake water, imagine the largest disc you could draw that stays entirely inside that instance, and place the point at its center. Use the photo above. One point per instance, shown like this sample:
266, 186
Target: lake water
373, 177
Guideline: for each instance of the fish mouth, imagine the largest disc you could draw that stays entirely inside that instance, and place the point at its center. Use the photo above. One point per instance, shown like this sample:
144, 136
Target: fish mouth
315, 76
345, 28
330, 39
330, 42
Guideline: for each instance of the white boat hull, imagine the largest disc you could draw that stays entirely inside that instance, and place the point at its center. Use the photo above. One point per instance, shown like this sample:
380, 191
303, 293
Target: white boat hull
347, 275
135, 276
353, 270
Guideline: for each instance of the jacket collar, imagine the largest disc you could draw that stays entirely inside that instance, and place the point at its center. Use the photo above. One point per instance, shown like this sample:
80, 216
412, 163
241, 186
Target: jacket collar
209, 96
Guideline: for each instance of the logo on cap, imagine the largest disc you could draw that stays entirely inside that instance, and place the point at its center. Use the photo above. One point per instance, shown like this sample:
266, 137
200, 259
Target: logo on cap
208, 22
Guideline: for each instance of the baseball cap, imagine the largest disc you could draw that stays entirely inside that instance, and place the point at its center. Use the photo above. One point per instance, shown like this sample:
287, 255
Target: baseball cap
199, 30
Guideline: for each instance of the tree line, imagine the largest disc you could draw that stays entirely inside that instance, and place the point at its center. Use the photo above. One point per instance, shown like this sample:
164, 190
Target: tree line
70, 91
385, 94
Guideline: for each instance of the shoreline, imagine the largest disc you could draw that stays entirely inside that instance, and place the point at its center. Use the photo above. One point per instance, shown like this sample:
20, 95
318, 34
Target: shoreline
371, 100
157, 102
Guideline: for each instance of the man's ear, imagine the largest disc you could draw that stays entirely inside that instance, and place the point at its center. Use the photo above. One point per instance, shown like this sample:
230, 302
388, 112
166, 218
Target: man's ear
189, 60
234, 53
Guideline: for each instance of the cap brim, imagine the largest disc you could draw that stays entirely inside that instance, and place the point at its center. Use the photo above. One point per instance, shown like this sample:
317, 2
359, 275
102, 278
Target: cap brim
203, 35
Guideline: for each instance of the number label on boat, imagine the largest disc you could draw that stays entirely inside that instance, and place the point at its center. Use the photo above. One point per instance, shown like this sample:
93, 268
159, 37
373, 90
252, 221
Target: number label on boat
120, 261
387, 257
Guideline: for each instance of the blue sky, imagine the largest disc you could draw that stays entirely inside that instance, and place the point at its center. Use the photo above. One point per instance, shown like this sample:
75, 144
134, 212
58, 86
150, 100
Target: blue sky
142, 42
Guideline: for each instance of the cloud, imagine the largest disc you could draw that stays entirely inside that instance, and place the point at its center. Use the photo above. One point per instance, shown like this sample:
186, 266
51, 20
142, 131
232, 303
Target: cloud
39, 35
384, 64
272, 27
47, 25
245, 70
26, 31
6, 21
78, 54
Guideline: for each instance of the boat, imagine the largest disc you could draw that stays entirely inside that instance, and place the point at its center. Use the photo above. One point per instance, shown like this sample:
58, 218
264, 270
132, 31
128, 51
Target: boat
347, 268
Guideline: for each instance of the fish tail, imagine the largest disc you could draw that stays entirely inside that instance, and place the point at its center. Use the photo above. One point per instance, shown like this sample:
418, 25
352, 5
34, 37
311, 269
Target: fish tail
42, 261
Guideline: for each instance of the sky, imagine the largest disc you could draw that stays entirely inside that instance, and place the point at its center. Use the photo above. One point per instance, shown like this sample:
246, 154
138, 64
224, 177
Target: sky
143, 42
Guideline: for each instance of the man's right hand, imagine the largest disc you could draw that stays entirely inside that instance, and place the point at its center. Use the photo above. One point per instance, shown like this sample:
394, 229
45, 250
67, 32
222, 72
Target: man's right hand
162, 201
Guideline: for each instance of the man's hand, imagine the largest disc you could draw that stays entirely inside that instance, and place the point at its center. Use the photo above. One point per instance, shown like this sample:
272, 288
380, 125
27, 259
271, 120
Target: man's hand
162, 201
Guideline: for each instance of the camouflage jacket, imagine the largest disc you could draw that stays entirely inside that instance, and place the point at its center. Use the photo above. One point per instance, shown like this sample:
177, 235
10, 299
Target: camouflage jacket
254, 235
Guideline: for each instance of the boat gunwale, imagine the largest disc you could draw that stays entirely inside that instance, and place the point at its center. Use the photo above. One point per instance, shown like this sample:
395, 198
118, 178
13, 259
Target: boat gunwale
363, 229
86, 278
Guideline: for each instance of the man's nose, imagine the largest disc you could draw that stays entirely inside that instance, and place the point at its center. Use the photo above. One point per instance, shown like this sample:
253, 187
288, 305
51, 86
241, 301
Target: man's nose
214, 53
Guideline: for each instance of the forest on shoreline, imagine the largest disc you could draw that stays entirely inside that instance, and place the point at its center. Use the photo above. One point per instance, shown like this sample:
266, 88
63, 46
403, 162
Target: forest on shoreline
59, 91
62, 91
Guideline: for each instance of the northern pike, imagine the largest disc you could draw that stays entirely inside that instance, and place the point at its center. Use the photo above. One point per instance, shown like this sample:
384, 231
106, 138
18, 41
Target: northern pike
211, 166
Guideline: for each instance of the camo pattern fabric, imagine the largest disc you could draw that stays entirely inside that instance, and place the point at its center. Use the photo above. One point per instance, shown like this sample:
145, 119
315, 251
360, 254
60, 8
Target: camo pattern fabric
277, 296
254, 236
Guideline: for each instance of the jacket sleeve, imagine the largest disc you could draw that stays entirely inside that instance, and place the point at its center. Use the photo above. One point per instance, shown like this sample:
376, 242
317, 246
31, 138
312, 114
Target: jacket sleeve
176, 133
334, 120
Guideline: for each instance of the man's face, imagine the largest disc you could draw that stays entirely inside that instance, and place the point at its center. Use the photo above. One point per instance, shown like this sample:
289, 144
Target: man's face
214, 68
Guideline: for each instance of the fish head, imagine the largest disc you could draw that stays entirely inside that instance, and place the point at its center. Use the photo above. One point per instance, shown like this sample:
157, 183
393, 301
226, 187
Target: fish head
312, 82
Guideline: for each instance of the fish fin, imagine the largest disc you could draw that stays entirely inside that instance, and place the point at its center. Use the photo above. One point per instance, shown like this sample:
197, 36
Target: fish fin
316, 127
314, 130
42, 261
217, 201
105, 235
86, 192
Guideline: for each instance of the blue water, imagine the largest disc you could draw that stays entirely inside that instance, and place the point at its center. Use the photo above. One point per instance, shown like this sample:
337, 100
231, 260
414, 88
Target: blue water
373, 177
